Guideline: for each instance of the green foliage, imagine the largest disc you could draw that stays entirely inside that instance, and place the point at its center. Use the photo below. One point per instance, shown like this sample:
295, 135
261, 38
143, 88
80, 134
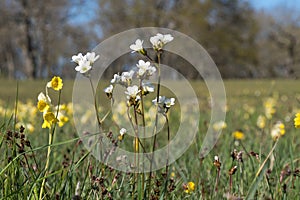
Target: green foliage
74, 173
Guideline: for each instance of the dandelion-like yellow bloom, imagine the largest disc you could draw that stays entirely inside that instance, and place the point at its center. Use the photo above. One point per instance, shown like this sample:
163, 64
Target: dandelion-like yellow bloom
49, 119
56, 83
278, 130
297, 120
261, 121
189, 187
238, 135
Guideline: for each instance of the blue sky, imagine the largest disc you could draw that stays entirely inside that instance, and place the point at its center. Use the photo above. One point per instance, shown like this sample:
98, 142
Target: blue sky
86, 12
268, 5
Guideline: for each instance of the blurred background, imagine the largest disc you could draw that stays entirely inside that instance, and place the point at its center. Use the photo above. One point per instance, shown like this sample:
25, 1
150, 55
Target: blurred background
246, 38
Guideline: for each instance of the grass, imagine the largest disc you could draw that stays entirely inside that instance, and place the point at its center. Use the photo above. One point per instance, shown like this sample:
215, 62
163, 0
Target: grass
265, 168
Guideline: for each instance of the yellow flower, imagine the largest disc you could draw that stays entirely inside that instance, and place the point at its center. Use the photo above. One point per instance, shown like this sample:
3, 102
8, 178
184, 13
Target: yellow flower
62, 120
189, 187
278, 130
269, 105
238, 135
297, 120
56, 83
261, 121
42, 106
217, 126
44, 102
49, 119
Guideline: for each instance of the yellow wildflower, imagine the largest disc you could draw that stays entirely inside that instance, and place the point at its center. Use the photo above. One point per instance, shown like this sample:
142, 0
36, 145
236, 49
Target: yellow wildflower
297, 120
56, 83
261, 122
62, 120
269, 105
42, 106
278, 130
217, 126
238, 135
49, 119
43, 102
189, 187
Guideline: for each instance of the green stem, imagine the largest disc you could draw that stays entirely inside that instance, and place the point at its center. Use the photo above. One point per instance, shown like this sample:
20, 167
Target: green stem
51, 133
155, 126
144, 134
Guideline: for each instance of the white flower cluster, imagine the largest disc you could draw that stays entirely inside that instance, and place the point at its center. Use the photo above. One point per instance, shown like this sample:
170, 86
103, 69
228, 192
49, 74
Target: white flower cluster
164, 104
84, 62
158, 42
144, 70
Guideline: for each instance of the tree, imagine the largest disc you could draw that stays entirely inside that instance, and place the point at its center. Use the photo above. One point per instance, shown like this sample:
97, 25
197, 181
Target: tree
226, 28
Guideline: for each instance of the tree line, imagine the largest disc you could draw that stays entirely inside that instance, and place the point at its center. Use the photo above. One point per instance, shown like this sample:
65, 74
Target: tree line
37, 38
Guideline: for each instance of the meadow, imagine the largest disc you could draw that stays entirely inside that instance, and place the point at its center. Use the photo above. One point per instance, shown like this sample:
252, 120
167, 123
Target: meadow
248, 162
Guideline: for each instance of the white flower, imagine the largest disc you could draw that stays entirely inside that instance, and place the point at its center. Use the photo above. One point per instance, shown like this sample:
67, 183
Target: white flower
159, 40
169, 102
143, 66
123, 131
126, 78
77, 58
116, 79
138, 46
132, 91
167, 38
164, 103
145, 69
84, 62
91, 57
161, 99
83, 66
216, 158
44, 97
109, 89
147, 88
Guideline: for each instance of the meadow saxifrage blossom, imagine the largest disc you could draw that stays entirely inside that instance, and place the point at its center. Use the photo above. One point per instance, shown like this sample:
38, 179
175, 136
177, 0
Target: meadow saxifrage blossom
84, 63
55, 83
91, 57
138, 47
132, 91
147, 88
116, 79
83, 66
126, 78
77, 58
108, 91
122, 133
164, 104
297, 120
145, 69
159, 40
133, 95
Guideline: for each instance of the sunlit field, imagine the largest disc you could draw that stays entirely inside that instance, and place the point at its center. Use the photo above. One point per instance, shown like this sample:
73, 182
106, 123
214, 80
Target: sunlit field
256, 157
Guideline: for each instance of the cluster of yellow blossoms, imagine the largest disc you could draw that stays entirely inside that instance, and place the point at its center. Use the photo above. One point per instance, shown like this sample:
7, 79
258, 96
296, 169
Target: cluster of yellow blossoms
52, 114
